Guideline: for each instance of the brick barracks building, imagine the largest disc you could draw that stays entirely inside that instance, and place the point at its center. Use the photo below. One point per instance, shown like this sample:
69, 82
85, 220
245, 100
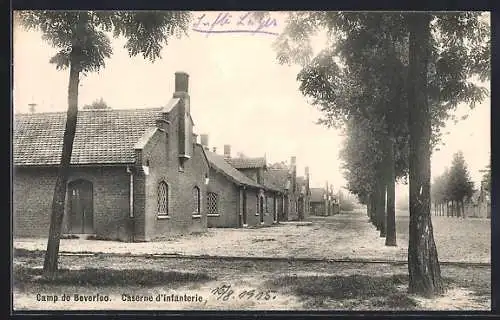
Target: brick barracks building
141, 175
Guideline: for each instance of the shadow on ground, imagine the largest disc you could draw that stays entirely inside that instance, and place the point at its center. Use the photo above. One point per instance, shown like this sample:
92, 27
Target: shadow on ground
348, 292
24, 277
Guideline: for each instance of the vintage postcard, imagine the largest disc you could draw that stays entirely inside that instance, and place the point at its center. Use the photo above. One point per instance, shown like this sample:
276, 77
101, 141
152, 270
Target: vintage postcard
233, 160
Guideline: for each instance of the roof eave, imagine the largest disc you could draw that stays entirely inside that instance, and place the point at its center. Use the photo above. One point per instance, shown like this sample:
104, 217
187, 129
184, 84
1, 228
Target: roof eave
114, 164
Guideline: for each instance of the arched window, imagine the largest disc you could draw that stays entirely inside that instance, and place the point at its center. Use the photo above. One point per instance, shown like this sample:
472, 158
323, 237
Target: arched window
212, 203
162, 199
196, 200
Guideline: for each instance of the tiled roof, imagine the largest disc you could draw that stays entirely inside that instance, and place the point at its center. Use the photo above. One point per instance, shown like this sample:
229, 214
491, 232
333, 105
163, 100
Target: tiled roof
276, 178
247, 163
317, 194
102, 136
218, 163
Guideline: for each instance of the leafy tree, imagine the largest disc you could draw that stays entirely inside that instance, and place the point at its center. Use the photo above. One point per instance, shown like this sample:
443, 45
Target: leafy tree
84, 45
439, 191
277, 165
459, 183
486, 180
99, 104
436, 51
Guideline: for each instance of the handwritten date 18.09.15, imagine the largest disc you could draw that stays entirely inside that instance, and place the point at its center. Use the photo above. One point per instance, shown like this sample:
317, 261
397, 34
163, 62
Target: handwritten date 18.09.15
225, 293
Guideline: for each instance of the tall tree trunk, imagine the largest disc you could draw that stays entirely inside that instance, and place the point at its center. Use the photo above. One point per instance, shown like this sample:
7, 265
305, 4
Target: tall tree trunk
373, 207
423, 263
59, 198
368, 208
390, 236
381, 204
463, 209
376, 203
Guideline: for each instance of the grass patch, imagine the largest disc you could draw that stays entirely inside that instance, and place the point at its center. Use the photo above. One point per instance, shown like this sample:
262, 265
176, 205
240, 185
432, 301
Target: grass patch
260, 226
477, 280
27, 253
349, 292
102, 238
69, 236
197, 233
263, 240
106, 277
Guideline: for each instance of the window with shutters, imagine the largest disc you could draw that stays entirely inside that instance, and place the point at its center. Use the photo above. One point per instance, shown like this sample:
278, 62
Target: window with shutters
162, 199
196, 201
212, 203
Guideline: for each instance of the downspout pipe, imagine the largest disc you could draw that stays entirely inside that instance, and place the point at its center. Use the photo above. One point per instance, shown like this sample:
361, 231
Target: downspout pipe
131, 204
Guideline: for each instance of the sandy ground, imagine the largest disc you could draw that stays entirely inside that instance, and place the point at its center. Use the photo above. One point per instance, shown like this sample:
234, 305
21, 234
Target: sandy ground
244, 276
348, 235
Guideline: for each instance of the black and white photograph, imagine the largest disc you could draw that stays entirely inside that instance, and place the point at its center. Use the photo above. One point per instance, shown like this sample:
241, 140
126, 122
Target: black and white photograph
251, 160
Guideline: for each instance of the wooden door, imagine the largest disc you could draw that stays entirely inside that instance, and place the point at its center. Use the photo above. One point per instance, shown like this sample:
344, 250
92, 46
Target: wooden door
81, 207
300, 209
261, 208
244, 207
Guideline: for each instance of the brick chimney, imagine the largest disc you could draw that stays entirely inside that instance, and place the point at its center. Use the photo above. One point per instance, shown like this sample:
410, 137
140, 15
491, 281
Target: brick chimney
181, 82
32, 107
293, 164
204, 141
227, 151
306, 171
185, 125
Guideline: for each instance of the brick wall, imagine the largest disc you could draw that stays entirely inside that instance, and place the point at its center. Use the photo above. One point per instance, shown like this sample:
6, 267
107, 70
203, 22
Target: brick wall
253, 215
162, 154
228, 201
317, 208
33, 192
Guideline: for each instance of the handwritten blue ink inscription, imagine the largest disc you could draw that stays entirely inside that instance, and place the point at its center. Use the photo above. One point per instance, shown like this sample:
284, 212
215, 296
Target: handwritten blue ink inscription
225, 22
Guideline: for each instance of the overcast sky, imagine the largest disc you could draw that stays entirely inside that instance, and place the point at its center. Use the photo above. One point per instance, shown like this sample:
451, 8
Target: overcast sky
240, 96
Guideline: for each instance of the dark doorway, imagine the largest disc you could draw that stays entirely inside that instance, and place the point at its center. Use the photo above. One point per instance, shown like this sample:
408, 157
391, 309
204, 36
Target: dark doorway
300, 209
261, 208
81, 207
275, 209
286, 207
244, 217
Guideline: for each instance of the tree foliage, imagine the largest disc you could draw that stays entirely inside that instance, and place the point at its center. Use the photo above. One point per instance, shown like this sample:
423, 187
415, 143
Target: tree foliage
460, 49
459, 185
83, 46
486, 179
439, 188
147, 32
365, 79
98, 104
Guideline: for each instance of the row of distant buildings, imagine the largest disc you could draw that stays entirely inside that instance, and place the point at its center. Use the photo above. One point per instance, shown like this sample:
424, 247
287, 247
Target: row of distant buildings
143, 174
324, 202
